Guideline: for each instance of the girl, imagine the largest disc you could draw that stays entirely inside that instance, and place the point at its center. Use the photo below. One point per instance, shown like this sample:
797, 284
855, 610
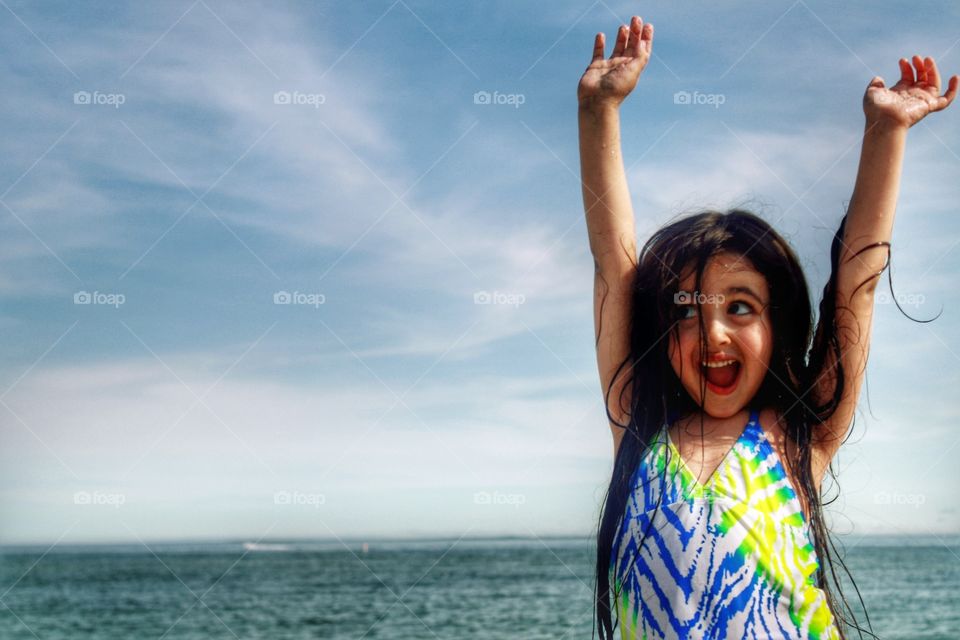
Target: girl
726, 406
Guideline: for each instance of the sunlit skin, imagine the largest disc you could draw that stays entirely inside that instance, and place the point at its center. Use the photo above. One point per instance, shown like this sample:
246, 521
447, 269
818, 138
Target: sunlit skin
736, 323
889, 113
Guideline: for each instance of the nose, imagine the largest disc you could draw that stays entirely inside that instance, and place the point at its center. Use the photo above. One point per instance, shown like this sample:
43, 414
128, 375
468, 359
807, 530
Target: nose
715, 325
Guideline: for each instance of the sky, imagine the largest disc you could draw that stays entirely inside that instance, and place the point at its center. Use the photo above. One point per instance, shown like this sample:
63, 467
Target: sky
275, 270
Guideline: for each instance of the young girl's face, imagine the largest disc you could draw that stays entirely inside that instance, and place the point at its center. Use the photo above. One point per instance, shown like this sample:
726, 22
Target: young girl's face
734, 303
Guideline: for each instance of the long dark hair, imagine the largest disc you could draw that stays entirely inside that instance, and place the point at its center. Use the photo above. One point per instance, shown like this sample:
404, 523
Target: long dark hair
800, 358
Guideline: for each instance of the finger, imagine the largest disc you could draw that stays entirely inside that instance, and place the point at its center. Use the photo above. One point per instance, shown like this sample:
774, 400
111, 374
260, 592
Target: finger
598, 48
921, 71
876, 82
621, 42
647, 36
906, 71
944, 101
933, 75
636, 32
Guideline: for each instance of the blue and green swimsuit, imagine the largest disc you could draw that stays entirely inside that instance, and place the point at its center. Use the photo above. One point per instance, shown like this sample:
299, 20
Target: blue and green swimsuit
731, 558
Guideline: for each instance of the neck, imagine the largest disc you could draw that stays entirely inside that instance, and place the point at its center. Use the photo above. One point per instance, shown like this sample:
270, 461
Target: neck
690, 422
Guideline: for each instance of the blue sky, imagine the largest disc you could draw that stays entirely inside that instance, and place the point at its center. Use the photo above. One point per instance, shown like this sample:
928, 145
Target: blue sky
154, 162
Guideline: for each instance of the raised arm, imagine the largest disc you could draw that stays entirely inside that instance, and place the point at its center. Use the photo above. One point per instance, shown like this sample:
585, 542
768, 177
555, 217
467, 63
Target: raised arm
868, 228
606, 199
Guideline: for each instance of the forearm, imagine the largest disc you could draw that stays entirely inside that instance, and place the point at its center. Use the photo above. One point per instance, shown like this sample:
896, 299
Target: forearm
873, 204
606, 197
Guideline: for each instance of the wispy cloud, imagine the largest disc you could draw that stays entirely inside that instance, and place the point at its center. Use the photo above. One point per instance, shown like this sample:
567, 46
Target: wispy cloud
341, 153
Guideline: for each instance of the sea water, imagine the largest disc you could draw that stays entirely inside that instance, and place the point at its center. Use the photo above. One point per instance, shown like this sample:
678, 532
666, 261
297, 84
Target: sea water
477, 589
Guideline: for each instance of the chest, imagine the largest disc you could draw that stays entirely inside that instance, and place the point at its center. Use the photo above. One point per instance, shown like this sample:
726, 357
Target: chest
702, 457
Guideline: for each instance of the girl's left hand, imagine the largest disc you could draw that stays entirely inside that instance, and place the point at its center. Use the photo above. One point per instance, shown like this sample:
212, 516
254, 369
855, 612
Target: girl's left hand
907, 102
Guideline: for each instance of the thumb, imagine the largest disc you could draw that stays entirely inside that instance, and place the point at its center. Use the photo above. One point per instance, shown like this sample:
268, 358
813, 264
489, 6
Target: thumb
876, 82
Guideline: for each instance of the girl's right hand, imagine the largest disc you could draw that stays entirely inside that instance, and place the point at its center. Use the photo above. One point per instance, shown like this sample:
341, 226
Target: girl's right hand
611, 80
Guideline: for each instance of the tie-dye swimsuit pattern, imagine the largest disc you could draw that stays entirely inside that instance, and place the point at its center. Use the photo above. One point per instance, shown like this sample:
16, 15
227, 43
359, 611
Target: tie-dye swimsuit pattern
731, 558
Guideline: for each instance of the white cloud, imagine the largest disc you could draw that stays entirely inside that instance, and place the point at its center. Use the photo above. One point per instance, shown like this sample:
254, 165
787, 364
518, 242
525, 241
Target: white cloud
486, 415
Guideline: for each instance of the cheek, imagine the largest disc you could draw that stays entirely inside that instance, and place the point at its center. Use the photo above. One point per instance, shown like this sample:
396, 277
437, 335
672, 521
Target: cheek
680, 351
758, 342
673, 353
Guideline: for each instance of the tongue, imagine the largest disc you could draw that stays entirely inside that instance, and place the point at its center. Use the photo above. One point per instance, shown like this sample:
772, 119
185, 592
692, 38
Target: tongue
723, 376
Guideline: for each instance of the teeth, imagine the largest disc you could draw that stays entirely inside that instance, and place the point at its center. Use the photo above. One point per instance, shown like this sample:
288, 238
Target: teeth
716, 365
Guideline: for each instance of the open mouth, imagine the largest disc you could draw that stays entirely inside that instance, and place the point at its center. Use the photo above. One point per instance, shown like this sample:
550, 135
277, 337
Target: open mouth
722, 377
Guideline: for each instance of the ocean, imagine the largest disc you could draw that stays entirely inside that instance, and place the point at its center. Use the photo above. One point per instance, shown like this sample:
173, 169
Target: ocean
466, 589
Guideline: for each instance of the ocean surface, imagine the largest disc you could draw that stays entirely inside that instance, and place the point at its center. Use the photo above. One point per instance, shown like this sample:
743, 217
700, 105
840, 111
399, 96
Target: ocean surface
482, 589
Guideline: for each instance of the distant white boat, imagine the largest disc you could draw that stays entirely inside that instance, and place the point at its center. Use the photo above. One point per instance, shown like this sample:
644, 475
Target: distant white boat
265, 546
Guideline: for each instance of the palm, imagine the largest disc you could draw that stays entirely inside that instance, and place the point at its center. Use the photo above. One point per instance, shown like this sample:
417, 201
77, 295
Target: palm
615, 77
912, 98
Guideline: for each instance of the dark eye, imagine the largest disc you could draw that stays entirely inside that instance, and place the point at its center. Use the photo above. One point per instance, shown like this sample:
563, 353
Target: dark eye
744, 305
686, 312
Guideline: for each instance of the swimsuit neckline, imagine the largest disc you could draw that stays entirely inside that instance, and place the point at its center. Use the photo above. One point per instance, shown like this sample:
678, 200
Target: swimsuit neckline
754, 419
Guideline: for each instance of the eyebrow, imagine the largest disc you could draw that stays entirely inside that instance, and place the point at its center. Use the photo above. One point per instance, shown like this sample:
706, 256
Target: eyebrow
745, 290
